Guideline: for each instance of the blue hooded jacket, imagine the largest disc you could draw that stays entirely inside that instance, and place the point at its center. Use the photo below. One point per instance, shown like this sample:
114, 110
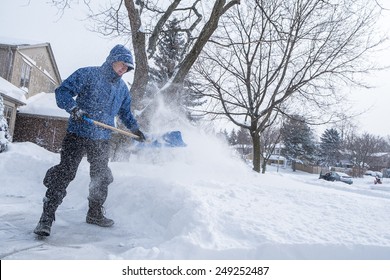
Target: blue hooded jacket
101, 93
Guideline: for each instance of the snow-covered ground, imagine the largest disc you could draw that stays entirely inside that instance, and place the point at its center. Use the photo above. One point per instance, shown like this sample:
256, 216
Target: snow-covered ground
197, 202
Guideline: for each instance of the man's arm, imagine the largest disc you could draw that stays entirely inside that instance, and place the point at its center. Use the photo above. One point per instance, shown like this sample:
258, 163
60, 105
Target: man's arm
68, 89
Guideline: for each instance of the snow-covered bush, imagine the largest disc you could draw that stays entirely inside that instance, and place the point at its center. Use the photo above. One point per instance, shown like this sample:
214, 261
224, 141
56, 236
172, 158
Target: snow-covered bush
4, 134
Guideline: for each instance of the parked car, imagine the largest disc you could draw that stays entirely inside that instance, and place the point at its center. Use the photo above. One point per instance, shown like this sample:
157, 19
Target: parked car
337, 176
373, 173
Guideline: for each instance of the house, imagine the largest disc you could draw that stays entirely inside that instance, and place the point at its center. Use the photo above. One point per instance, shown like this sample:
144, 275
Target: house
272, 155
30, 67
13, 97
276, 158
244, 150
27, 71
380, 161
41, 122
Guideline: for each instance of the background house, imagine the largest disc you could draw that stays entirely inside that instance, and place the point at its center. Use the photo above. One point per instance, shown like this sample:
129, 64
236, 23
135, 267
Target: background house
40, 121
380, 161
13, 97
27, 72
30, 67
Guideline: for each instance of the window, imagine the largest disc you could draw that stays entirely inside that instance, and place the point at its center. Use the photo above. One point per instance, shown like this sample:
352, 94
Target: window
25, 75
8, 113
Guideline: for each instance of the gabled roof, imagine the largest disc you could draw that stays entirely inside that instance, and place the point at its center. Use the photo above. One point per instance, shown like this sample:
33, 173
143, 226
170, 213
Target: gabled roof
20, 45
7, 41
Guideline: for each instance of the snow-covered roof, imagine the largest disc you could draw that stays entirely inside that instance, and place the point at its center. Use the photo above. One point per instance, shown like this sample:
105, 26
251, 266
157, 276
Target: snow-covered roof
12, 91
17, 41
380, 154
43, 104
277, 157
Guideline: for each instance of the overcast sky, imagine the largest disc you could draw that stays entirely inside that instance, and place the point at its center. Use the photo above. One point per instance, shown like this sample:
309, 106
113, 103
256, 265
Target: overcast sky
74, 46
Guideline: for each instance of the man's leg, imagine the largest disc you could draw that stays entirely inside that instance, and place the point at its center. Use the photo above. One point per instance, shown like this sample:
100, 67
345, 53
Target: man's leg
57, 180
101, 177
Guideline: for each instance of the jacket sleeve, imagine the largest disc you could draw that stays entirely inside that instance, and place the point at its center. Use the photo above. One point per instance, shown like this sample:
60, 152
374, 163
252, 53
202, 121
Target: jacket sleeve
68, 89
125, 114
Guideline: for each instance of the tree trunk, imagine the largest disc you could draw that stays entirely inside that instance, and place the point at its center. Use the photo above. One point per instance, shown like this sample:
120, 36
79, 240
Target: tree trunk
264, 166
293, 165
141, 72
256, 152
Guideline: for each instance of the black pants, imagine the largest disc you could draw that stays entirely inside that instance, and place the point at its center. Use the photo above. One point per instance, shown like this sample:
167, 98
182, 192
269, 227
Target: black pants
74, 148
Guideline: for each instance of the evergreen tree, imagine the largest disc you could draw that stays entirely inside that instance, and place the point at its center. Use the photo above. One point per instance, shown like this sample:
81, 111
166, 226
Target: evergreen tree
243, 136
330, 146
5, 137
233, 137
298, 140
171, 50
170, 53
224, 135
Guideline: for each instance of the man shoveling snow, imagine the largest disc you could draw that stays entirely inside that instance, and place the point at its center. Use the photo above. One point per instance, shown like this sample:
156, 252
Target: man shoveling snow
101, 95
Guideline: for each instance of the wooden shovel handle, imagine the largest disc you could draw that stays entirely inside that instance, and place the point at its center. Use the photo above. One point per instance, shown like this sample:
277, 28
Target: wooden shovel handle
127, 133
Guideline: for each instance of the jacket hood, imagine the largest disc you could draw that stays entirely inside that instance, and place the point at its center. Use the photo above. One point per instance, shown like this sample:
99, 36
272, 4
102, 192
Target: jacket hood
121, 53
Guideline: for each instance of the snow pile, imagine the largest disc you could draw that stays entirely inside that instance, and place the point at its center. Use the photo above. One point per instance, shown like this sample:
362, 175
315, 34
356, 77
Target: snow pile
197, 202
43, 104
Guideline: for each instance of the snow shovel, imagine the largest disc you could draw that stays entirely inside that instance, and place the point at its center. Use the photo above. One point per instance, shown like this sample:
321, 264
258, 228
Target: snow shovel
168, 139
127, 133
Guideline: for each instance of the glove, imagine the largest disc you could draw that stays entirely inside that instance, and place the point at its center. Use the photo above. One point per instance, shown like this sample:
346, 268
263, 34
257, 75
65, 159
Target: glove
141, 136
77, 114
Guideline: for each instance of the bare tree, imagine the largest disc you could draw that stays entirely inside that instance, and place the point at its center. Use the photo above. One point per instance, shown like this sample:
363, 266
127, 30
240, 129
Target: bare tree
145, 20
347, 128
363, 149
280, 56
270, 138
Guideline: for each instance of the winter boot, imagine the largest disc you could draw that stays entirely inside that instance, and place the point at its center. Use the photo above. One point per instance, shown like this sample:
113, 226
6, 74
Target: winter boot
48, 216
44, 226
95, 216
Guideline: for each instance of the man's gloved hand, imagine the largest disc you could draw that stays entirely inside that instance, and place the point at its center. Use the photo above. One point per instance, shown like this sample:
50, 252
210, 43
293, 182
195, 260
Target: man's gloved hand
77, 114
141, 136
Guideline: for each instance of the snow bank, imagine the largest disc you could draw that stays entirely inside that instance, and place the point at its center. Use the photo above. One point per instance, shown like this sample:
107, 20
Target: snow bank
197, 202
